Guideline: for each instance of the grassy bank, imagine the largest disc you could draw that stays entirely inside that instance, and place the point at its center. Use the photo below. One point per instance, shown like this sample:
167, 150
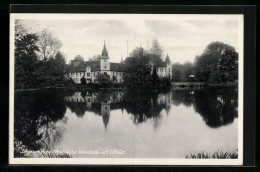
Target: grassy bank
219, 154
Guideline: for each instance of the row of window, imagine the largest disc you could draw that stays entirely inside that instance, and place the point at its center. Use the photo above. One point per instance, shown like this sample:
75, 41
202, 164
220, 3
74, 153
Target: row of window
161, 69
88, 74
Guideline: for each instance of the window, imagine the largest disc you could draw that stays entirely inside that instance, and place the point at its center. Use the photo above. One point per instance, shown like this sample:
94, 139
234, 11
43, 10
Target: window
105, 73
105, 67
88, 74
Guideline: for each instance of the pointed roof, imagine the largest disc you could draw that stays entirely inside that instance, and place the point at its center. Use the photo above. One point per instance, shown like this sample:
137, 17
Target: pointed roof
104, 53
122, 60
167, 59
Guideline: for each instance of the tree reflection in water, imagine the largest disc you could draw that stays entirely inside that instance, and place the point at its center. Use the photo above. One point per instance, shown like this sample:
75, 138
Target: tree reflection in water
218, 107
36, 115
39, 115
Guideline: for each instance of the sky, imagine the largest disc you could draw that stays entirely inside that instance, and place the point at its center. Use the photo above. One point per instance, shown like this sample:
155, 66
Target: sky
183, 39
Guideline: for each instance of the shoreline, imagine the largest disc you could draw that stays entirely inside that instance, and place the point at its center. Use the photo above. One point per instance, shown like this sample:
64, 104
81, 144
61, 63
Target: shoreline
181, 86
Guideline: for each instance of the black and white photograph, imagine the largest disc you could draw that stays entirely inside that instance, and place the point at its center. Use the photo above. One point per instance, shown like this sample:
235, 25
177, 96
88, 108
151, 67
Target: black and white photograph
126, 89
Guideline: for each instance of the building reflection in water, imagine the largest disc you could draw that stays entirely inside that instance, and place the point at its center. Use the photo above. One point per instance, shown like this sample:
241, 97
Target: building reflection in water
142, 105
218, 107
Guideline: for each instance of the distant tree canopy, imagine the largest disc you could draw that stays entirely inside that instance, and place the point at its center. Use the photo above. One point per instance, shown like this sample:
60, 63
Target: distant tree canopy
217, 64
139, 73
182, 72
156, 48
94, 58
48, 45
137, 52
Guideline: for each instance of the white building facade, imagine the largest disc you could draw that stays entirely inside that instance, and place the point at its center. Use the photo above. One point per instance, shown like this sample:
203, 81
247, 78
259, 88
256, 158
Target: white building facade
90, 70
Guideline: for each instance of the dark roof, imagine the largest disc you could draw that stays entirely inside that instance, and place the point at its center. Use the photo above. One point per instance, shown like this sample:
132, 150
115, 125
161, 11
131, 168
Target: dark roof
157, 61
167, 60
94, 65
119, 67
104, 53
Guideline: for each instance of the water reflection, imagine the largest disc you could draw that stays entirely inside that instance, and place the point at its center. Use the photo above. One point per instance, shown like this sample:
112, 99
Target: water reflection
36, 115
142, 105
40, 120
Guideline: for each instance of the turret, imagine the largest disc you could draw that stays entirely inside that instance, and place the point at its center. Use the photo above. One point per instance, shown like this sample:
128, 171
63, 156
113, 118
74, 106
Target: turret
167, 59
168, 66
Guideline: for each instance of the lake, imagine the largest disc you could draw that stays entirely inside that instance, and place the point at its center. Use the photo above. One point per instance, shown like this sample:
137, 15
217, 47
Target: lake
126, 123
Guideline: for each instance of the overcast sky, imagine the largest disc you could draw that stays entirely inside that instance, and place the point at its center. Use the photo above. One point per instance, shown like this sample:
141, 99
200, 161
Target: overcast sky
181, 39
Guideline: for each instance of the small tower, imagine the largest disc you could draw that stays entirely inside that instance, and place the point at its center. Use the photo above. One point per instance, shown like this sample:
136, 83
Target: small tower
104, 60
168, 66
122, 59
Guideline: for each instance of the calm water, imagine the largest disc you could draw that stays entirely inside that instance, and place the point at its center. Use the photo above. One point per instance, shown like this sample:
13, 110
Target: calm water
132, 124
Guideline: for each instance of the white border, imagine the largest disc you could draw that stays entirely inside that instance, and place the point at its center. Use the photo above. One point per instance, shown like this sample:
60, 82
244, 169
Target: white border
126, 161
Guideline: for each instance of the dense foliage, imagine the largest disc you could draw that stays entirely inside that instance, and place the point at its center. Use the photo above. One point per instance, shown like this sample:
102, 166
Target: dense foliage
182, 72
141, 71
31, 69
217, 64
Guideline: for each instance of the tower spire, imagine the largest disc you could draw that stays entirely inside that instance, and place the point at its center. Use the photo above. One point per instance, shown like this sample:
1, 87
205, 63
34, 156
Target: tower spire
122, 59
104, 53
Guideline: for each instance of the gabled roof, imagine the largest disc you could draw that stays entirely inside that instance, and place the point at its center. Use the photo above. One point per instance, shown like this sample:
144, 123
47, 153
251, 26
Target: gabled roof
157, 61
119, 67
94, 65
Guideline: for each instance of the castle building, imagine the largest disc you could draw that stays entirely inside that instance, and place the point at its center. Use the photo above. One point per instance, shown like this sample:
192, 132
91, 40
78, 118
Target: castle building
90, 70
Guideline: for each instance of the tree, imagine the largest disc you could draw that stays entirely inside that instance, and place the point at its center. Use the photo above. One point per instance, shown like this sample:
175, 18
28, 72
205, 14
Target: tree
83, 80
156, 48
217, 64
182, 72
137, 52
26, 61
138, 72
19, 29
52, 72
187, 70
48, 45
104, 80
94, 58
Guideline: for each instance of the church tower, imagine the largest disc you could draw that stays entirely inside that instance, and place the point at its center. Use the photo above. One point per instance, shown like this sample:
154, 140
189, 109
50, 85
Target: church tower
104, 61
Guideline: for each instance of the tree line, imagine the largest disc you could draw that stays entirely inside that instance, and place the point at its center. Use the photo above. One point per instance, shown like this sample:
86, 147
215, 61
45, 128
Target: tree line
38, 60
217, 64
39, 63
